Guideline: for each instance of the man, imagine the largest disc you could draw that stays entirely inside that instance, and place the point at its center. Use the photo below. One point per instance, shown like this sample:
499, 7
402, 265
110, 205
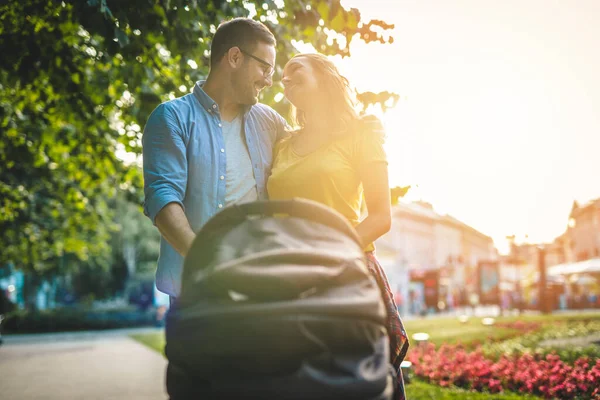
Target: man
212, 147
6, 307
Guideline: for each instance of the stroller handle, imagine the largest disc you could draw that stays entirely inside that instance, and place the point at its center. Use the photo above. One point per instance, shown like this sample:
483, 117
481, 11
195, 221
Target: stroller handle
297, 207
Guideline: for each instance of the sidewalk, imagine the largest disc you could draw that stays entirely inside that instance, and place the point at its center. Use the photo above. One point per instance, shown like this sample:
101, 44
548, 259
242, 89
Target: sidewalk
75, 336
85, 365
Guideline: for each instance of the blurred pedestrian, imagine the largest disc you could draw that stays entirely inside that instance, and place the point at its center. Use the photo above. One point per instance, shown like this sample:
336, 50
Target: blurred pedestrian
6, 306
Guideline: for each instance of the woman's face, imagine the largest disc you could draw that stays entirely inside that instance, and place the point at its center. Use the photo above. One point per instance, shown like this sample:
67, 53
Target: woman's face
300, 82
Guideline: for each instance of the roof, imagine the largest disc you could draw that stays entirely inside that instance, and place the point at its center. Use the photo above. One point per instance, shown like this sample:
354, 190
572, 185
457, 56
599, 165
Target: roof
591, 265
415, 209
452, 220
577, 210
421, 211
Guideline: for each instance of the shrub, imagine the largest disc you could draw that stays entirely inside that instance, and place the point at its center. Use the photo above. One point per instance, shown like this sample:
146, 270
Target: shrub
74, 319
532, 342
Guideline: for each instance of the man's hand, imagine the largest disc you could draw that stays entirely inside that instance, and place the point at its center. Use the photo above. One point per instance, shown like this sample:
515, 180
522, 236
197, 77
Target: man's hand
174, 226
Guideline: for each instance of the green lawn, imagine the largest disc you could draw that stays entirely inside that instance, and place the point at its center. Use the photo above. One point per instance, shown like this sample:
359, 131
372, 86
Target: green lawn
156, 341
451, 330
417, 390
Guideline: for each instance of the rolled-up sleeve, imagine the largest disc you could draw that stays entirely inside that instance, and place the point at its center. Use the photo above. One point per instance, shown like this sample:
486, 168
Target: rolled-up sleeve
164, 161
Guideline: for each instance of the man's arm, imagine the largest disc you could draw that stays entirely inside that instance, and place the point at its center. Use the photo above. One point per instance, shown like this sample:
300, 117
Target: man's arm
282, 128
165, 178
174, 226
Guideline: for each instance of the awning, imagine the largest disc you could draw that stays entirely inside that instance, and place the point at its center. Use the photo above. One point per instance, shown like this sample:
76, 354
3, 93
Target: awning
591, 265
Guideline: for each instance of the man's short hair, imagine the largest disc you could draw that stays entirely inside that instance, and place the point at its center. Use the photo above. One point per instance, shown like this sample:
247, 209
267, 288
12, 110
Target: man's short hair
244, 33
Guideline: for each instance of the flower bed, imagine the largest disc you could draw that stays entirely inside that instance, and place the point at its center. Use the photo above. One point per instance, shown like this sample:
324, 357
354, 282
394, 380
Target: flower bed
548, 377
520, 326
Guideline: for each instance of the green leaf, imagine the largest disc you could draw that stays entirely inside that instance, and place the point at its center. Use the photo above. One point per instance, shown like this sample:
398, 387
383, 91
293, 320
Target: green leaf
122, 37
323, 10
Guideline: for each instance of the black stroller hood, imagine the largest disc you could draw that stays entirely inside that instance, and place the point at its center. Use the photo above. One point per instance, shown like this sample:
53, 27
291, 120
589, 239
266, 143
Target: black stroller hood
258, 253
279, 295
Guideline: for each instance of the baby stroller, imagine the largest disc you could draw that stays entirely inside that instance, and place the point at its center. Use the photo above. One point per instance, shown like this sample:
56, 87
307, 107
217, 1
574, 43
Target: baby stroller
277, 303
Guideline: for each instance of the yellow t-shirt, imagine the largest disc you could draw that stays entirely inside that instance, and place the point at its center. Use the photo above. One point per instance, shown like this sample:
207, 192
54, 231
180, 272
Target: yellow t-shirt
329, 175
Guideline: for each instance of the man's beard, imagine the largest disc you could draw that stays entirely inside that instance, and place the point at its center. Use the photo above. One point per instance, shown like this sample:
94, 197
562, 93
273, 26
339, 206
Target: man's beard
244, 89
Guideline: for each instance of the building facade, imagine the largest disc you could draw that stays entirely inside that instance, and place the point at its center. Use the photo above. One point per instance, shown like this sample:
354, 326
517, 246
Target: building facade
583, 231
430, 258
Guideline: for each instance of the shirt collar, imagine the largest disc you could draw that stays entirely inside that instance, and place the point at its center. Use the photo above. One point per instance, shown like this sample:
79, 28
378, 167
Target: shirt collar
207, 102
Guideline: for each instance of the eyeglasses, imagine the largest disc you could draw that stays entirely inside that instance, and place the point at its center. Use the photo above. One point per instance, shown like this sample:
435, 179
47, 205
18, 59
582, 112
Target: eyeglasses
268, 71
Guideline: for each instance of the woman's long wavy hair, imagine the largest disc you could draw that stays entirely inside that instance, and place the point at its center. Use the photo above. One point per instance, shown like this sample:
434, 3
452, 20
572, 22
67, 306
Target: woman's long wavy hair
337, 93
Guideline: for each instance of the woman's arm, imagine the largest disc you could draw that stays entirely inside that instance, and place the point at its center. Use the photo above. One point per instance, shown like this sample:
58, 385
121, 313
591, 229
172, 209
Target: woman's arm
376, 187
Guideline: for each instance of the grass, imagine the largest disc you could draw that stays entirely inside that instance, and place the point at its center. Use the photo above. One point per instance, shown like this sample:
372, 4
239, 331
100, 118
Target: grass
451, 330
417, 390
155, 341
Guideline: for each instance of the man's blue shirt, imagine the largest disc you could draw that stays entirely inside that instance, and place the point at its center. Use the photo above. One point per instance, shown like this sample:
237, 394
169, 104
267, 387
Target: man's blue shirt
184, 162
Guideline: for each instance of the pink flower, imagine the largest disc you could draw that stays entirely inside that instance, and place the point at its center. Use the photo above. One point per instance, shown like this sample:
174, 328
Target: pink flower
546, 376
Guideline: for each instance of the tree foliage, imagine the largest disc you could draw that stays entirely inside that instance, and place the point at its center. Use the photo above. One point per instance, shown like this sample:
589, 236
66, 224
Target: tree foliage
78, 80
397, 192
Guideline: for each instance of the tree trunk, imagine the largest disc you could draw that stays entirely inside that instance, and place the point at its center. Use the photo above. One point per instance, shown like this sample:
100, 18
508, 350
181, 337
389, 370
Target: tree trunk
129, 255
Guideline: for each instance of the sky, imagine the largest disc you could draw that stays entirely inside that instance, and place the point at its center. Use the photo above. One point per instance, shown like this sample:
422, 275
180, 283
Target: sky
498, 122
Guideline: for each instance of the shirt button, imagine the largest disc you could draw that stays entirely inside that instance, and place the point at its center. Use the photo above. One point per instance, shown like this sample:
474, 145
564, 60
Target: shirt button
214, 106
221, 177
220, 125
222, 150
220, 205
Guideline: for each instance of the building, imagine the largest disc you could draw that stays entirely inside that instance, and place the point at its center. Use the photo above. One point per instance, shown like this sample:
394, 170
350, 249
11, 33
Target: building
579, 242
583, 231
408, 246
431, 258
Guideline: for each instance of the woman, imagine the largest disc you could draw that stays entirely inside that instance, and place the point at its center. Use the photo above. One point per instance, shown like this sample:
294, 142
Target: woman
336, 158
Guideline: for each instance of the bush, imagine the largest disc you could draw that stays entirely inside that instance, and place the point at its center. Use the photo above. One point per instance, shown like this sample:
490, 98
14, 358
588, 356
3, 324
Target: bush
75, 319
532, 342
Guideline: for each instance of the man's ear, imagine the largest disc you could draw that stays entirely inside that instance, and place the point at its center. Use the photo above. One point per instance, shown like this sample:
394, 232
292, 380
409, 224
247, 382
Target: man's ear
234, 57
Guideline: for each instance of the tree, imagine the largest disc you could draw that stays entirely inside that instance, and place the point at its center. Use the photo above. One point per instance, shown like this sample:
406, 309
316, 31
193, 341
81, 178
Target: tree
78, 80
397, 192
134, 247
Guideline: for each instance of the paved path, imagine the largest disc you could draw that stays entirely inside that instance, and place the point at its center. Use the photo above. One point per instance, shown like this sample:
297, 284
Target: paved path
90, 365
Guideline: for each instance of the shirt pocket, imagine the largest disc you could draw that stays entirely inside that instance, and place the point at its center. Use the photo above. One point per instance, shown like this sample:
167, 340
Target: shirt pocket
203, 165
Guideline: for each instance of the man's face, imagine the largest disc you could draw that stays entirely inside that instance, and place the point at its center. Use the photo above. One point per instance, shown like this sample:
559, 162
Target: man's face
253, 76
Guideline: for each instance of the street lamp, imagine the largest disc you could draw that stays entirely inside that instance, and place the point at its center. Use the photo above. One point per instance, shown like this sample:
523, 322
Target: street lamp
405, 368
420, 338
543, 287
